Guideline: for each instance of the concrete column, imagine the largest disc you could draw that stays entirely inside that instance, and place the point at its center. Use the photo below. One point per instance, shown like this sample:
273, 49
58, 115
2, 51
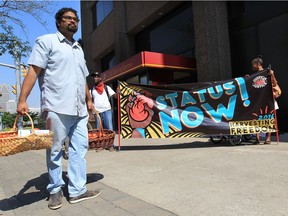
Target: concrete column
212, 41
124, 43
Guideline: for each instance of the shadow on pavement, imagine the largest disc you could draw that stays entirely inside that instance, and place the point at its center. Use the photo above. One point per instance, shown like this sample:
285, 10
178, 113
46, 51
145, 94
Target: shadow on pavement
283, 137
196, 144
35, 190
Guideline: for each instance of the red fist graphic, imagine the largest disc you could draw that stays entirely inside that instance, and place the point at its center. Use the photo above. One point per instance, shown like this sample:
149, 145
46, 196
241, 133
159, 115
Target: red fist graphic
139, 109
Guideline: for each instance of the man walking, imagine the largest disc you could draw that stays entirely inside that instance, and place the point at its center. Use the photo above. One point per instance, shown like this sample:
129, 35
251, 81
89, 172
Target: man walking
57, 60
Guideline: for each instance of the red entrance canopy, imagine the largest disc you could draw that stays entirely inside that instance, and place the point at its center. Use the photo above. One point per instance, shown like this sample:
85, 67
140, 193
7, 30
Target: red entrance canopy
147, 59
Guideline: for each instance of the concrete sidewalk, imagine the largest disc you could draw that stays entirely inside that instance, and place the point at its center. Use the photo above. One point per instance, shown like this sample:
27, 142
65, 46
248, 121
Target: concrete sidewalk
159, 177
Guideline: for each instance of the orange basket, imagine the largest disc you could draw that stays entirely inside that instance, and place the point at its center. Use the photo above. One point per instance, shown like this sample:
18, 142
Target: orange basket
11, 144
100, 138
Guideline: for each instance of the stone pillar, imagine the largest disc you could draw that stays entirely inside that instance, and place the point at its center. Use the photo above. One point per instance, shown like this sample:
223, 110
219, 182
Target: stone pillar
124, 43
212, 41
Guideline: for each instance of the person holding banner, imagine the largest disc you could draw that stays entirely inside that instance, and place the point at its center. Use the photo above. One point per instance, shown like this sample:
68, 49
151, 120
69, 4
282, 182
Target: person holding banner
257, 65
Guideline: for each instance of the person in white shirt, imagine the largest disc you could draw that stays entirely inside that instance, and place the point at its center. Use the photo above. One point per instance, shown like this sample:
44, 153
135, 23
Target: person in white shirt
101, 95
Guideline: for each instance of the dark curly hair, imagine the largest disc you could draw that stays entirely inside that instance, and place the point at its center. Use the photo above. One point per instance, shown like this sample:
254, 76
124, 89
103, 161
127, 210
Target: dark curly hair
258, 60
59, 14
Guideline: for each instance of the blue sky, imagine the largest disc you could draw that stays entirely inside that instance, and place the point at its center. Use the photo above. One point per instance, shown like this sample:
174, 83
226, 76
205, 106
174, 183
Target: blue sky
34, 29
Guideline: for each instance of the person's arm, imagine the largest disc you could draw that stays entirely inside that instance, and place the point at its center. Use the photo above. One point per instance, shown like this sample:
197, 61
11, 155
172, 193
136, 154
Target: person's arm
276, 88
88, 98
115, 96
273, 78
27, 86
276, 91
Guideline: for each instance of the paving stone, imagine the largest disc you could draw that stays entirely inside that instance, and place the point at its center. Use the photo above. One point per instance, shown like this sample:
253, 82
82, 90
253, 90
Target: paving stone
108, 209
133, 205
112, 195
155, 211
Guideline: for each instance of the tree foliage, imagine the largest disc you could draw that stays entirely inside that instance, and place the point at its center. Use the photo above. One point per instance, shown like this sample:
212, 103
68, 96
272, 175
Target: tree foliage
9, 42
11, 12
8, 120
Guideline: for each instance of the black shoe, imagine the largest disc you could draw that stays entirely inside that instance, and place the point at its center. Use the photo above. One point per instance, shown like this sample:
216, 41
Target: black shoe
87, 195
55, 200
256, 142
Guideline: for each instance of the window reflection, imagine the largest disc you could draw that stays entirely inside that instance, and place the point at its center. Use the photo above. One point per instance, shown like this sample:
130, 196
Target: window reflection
174, 34
102, 10
108, 61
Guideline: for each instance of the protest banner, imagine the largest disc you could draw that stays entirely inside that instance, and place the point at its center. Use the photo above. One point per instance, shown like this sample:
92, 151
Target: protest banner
243, 105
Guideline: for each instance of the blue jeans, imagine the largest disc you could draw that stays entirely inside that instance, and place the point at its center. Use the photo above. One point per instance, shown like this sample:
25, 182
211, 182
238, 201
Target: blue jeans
76, 129
106, 118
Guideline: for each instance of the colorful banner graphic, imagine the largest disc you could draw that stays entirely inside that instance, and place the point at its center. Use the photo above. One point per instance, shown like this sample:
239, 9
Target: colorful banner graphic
243, 105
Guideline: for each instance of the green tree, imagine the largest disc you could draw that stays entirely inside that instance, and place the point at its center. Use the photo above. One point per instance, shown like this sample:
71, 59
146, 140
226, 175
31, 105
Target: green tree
9, 41
8, 119
40, 122
10, 13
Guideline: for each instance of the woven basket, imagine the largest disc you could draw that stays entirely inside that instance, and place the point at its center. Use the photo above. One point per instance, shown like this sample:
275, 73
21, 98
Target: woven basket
11, 144
100, 138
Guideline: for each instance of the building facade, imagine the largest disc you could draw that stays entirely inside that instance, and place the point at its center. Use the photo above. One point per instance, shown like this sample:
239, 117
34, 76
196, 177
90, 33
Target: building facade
219, 39
5, 91
11, 106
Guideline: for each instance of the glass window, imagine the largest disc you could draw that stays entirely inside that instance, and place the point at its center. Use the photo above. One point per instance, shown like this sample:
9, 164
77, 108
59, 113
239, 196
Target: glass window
102, 10
144, 79
173, 34
108, 61
134, 79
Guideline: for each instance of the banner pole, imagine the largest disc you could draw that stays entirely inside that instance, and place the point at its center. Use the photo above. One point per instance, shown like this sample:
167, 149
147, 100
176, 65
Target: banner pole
276, 123
119, 115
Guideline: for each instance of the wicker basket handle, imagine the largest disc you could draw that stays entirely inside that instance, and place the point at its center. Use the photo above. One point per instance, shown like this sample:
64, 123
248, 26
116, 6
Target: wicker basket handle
16, 119
99, 119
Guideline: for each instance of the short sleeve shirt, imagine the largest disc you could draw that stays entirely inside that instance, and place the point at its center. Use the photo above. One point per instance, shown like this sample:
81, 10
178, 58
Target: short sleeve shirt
62, 81
101, 101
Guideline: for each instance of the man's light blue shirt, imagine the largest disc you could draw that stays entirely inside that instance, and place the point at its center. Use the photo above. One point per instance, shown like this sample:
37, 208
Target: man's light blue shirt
63, 79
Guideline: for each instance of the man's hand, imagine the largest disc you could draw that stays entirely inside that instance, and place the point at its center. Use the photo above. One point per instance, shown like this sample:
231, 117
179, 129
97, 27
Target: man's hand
90, 105
270, 72
22, 107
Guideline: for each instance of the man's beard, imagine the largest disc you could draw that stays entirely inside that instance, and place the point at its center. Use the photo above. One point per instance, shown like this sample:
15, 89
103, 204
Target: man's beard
72, 28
